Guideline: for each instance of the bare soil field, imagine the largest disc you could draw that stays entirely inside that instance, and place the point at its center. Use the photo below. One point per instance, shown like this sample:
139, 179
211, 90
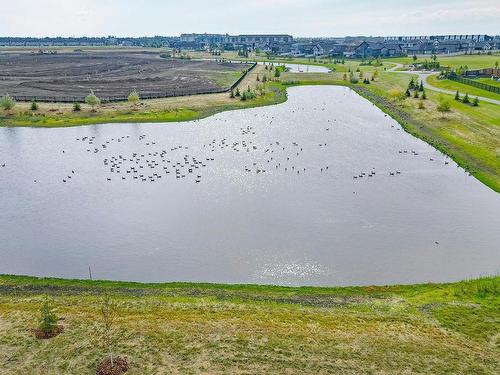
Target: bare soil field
68, 77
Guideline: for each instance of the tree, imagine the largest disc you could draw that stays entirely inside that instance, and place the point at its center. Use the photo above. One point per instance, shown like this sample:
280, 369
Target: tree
76, 107
238, 93
443, 107
475, 103
277, 73
7, 102
134, 98
457, 95
92, 100
108, 313
408, 93
416, 96
48, 319
415, 58
421, 88
466, 99
34, 106
424, 95
412, 85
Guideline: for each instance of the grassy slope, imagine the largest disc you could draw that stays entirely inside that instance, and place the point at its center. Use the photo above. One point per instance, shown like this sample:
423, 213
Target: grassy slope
463, 88
235, 329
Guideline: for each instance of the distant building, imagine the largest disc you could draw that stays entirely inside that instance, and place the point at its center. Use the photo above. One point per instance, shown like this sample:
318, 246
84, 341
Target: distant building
261, 41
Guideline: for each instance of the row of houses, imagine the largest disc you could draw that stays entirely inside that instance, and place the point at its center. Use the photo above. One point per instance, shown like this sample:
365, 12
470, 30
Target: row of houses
393, 46
286, 45
231, 42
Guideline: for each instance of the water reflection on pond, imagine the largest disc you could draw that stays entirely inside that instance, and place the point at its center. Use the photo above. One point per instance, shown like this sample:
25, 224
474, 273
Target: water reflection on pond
321, 190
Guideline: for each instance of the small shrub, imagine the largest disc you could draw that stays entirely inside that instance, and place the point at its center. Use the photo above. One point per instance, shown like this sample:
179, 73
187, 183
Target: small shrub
7, 102
134, 98
416, 96
238, 93
421, 105
466, 99
76, 107
92, 100
247, 95
408, 93
424, 95
34, 106
457, 96
48, 319
475, 103
443, 107
354, 79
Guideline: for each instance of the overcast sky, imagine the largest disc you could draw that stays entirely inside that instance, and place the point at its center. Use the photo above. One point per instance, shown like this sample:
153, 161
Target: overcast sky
296, 17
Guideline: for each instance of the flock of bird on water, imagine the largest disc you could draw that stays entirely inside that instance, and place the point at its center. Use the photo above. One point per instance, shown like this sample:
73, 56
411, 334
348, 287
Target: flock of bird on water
177, 162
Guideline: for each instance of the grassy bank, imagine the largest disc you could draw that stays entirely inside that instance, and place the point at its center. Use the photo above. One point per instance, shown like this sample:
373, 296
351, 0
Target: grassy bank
185, 108
244, 329
448, 84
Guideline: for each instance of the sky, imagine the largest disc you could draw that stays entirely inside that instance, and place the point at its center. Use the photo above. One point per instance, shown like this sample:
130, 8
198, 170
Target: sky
325, 18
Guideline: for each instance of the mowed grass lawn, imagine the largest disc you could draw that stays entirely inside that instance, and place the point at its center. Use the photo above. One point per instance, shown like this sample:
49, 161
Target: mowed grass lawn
471, 61
488, 81
231, 329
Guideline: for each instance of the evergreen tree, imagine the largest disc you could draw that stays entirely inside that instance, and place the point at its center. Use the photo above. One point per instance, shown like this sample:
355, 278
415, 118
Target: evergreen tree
466, 99
457, 96
475, 103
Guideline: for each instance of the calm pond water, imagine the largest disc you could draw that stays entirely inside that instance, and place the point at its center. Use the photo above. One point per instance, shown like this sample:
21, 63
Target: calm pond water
301, 68
321, 190
298, 68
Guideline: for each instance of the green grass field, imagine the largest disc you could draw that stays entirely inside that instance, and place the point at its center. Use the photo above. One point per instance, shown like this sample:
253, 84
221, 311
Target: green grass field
488, 81
472, 61
245, 329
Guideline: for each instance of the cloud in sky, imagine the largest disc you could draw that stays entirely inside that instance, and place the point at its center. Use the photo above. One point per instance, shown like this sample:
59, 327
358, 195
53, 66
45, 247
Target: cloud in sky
297, 17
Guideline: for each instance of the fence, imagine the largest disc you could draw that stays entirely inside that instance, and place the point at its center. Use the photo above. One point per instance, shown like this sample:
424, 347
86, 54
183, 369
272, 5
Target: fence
157, 95
471, 82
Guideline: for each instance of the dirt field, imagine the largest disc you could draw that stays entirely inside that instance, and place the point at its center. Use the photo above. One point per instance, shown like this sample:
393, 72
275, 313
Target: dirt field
112, 76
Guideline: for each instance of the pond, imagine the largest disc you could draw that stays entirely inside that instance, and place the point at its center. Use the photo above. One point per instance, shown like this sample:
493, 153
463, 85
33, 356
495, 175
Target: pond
301, 68
324, 189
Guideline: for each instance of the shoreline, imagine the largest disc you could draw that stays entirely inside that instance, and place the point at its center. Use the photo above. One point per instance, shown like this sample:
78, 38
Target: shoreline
16, 283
